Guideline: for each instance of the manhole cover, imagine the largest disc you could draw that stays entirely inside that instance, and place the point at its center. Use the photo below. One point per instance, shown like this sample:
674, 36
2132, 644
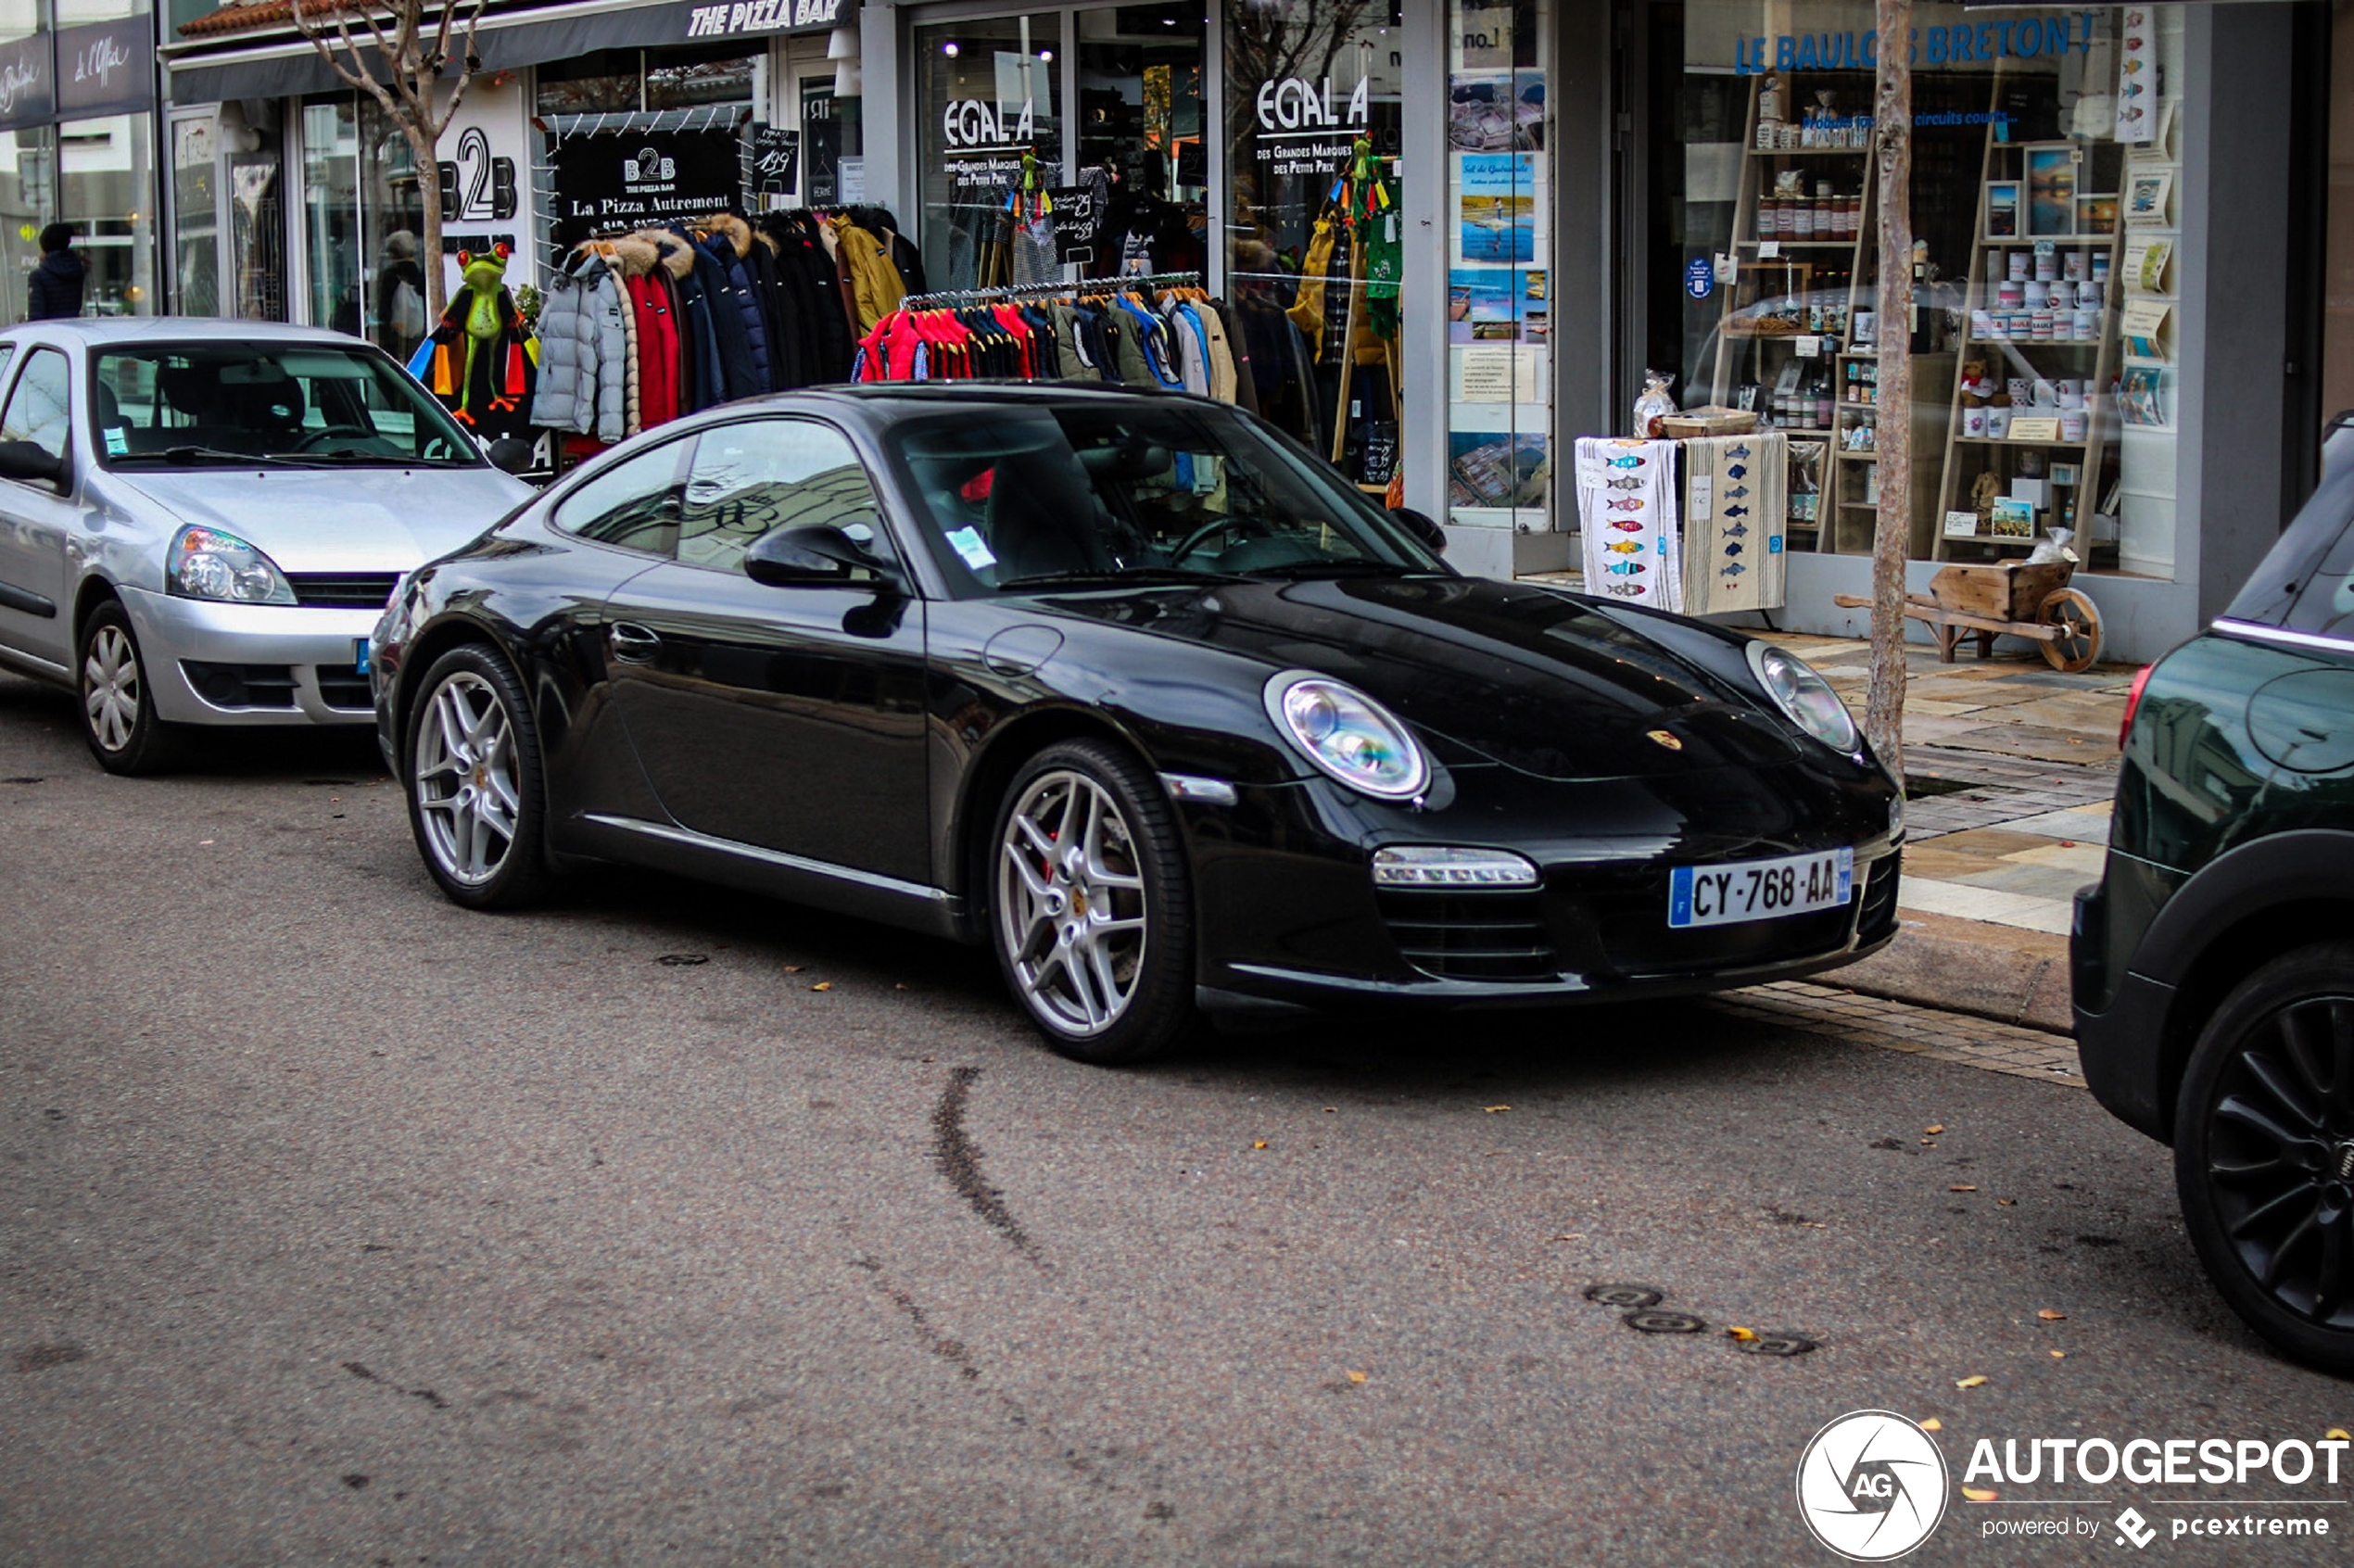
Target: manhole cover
1775, 1344
1657, 1321
681, 960
1622, 1295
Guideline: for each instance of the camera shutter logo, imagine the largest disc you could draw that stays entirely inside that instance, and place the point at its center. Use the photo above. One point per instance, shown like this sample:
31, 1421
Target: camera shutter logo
1871, 1486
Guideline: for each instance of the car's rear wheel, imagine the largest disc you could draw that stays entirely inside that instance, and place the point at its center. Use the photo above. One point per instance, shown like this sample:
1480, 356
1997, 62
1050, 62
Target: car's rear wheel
1093, 916
117, 705
2264, 1152
475, 785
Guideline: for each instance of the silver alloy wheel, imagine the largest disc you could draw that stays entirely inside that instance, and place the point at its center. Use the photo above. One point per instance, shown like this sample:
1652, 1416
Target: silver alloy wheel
1070, 903
110, 688
467, 795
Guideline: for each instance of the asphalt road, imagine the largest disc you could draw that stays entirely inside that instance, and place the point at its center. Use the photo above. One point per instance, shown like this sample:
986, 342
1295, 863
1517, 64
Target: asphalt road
339, 1226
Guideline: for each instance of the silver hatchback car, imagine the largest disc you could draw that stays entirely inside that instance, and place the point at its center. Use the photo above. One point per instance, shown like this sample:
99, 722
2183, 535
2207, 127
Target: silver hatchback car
200, 521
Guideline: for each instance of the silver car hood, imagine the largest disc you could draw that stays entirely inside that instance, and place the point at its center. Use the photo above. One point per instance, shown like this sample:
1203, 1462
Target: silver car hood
332, 520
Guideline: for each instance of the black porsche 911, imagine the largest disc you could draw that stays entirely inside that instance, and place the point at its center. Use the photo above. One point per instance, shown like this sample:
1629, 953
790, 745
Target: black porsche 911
1135, 689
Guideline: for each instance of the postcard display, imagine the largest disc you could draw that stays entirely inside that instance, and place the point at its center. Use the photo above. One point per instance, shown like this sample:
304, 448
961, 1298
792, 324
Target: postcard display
2066, 379
1498, 373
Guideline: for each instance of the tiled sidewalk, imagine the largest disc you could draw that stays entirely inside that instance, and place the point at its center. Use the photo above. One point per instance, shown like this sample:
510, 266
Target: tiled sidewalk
1898, 1025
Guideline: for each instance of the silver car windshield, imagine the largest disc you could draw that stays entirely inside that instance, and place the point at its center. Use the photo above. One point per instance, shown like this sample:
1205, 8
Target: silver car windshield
309, 405
1122, 490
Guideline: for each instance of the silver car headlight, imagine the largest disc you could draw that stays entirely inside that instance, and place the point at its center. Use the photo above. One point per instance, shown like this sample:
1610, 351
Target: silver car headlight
208, 563
1348, 735
1807, 697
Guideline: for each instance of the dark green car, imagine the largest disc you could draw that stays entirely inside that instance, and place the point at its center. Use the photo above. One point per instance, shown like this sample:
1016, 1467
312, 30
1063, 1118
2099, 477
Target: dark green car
2214, 961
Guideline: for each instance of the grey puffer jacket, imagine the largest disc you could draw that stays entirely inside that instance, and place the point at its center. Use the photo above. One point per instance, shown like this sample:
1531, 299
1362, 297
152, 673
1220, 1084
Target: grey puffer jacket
584, 352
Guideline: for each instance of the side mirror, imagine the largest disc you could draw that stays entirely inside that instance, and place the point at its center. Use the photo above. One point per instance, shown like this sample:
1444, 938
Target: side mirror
1421, 527
509, 454
815, 554
25, 462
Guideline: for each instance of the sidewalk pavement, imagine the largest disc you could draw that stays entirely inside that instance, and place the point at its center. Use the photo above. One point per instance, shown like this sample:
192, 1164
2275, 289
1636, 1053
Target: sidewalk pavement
2010, 767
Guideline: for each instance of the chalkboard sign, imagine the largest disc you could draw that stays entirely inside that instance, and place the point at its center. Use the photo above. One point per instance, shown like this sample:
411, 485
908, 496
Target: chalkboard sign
1077, 220
776, 159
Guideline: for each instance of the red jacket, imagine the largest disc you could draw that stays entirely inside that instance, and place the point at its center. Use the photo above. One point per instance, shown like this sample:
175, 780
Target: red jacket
657, 351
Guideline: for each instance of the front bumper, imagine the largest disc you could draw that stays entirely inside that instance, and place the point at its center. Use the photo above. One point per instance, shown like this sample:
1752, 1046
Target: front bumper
317, 649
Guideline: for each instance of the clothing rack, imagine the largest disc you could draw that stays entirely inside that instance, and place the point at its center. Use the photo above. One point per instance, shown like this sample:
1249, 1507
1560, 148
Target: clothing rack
955, 296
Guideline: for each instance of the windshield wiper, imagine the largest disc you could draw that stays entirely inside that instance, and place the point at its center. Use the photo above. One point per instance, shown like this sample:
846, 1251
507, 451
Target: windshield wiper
1117, 576
1298, 571
195, 454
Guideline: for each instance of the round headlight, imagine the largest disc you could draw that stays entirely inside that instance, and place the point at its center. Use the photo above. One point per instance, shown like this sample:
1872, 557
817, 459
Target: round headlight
1807, 697
1347, 735
208, 563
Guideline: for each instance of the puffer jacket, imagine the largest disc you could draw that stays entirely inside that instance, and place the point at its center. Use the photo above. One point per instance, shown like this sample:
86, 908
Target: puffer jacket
584, 352
735, 253
631, 259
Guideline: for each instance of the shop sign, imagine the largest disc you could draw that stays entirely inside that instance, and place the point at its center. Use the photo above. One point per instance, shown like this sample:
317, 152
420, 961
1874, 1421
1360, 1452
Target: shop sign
649, 177
26, 95
1968, 44
776, 158
1302, 131
976, 123
740, 18
106, 68
1077, 220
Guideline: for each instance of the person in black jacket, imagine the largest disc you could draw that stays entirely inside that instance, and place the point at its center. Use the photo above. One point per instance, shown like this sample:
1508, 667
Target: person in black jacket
54, 289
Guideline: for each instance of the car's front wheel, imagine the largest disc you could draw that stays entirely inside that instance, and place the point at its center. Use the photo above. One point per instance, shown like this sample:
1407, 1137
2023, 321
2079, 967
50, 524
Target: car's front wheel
475, 790
117, 705
1094, 921
2264, 1152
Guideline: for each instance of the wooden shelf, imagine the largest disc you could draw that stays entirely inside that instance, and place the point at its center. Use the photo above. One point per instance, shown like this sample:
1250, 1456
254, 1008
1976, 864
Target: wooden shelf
1800, 244
2013, 441
2033, 342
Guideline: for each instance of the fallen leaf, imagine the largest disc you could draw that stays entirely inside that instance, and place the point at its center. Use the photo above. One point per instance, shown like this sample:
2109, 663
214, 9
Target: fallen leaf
1332, 1110
1975, 1381
1737, 1332
1571, 1235
793, 969
898, 986
2337, 1435
1933, 1131
2049, 1316
201, 842
823, 985
1260, 1145
1355, 1377
1961, 1189
1978, 1493
1932, 1425
2068, 843
1493, 1109
2007, 1203
2076, 739
1929, 1143
2059, 1355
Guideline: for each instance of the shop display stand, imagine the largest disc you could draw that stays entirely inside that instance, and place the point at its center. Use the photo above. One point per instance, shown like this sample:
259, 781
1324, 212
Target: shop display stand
1756, 349
2009, 356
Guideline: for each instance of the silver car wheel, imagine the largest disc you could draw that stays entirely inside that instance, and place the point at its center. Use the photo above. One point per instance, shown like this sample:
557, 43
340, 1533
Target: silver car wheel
1070, 904
110, 688
464, 770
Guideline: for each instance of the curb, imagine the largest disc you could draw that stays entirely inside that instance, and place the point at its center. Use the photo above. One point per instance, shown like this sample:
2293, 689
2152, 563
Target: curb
2005, 973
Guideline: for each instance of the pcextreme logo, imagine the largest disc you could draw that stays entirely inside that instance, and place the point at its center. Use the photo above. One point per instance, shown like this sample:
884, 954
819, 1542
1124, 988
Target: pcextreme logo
1871, 1486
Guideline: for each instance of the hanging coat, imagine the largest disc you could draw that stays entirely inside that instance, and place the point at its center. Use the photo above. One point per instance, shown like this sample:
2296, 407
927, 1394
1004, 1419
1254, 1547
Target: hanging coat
659, 365
583, 352
728, 243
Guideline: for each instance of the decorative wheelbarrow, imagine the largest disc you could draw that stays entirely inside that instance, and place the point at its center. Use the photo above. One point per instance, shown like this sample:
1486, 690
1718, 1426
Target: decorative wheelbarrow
2012, 598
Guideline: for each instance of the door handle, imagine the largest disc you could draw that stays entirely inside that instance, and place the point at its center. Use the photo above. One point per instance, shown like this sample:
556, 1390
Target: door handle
631, 643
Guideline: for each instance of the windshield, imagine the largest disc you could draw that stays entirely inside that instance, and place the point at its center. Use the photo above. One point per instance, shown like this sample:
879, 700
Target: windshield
198, 405
1117, 490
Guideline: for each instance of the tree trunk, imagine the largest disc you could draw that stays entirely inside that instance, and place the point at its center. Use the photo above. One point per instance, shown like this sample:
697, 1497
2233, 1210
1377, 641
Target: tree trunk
428, 191
1891, 528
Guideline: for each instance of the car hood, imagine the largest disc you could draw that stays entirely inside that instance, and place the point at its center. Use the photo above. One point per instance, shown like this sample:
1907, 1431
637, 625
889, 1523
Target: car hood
344, 520
1536, 680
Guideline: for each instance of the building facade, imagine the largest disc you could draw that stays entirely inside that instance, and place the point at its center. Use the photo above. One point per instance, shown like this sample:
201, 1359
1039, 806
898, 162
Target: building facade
2124, 241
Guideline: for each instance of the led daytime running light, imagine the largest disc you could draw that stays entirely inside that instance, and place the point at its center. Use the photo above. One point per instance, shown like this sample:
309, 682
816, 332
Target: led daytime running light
1444, 866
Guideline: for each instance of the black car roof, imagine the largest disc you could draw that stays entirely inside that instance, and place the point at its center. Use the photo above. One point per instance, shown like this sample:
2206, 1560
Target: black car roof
981, 391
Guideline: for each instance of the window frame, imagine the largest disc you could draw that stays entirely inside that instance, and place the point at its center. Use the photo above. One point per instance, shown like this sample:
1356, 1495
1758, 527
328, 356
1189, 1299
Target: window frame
14, 373
897, 557
557, 502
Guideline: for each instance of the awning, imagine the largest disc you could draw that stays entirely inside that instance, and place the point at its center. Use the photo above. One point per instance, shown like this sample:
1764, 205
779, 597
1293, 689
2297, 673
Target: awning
290, 69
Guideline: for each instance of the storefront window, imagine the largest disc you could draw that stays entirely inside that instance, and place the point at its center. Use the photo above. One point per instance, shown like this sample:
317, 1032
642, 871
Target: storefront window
1140, 137
987, 118
256, 222
393, 213
1312, 222
106, 179
833, 146
195, 230
331, 238
1500, 242
28, 203
2042, 208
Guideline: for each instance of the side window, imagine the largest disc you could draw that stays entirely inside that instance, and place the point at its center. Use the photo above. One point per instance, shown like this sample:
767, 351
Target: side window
633, 504
754, 476
37, 409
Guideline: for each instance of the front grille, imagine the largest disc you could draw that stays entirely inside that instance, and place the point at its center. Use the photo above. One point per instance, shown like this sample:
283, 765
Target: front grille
1880, 899
342, 686
240, 686
343, 591
1490, 934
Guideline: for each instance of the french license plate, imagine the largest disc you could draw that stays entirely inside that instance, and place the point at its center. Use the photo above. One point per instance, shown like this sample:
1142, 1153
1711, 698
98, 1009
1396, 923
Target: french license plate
360, 654
1760, 889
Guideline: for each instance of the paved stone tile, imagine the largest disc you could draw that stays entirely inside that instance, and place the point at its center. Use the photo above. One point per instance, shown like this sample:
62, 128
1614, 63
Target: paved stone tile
2084, 824
1961, 901
2075, 857
1900, 1026
2051, 884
